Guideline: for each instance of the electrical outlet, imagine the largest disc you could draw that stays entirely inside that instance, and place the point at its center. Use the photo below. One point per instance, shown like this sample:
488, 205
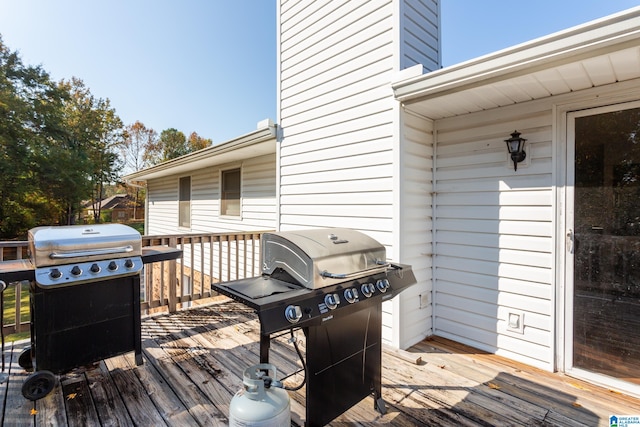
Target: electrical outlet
424, 300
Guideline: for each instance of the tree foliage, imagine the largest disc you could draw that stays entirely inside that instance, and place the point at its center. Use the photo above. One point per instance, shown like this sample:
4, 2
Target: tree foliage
196, 142
56, 146
60, 146
30, 117
172, 144
137, 141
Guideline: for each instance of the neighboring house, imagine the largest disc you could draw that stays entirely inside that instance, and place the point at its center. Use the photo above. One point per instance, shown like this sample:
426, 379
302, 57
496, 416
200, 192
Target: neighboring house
119, 207
527, 264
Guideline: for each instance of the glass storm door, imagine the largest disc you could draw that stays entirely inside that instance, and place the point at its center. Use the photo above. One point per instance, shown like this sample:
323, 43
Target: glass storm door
603, 244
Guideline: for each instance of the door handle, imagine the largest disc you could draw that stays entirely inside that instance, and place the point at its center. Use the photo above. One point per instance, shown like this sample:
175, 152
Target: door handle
570, 241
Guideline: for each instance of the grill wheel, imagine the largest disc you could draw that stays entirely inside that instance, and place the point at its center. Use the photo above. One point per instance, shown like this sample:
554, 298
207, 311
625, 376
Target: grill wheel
25, 361
38, 385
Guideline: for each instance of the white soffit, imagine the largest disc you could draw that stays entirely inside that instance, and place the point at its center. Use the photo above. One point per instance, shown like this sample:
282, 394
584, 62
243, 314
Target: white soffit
594, 54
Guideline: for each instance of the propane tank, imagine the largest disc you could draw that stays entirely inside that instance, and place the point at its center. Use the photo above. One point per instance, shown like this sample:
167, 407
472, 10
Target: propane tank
260, 403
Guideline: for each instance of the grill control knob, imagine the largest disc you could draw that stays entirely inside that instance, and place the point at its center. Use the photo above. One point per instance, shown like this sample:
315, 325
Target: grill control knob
331, 301
112, 266
55, 273
383, 285
368, 289
351, 295
76, 271
128, 263
293, 313
95, 268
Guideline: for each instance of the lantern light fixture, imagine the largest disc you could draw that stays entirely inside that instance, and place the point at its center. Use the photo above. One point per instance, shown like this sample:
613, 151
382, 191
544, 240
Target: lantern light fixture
515, 145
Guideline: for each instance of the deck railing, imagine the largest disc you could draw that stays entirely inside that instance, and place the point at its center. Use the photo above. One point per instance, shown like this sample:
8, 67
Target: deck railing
165, 286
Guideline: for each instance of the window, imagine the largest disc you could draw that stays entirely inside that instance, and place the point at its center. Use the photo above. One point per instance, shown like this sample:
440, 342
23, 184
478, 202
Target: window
230, 195
184, 202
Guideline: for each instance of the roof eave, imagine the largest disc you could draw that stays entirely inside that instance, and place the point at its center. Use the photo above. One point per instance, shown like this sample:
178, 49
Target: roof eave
233, 150
620, 30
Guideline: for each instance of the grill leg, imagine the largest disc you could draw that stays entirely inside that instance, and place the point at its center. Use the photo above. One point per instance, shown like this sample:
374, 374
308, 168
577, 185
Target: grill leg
265, 343
137, 322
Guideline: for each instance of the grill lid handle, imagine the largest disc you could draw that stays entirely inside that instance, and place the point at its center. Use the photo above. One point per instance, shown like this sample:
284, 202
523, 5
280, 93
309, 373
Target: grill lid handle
381, 267
92, 252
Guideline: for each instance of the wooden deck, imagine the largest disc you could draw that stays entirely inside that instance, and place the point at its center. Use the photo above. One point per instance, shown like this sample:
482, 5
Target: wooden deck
193, 361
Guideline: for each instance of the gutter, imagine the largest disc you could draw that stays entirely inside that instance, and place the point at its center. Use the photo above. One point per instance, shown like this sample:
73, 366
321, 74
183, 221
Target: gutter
620, 30
135, 184
266, 131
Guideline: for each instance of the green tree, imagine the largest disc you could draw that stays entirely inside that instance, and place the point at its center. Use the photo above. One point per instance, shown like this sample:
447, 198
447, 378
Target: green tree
171, 144
96, 133
30, 115
196, 142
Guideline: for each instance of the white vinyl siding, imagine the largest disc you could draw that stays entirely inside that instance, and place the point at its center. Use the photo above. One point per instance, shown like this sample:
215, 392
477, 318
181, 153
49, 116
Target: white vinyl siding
414, 178
336, 114
494, 233
341, 147
257, 194
420, 35
336, 109
162, 206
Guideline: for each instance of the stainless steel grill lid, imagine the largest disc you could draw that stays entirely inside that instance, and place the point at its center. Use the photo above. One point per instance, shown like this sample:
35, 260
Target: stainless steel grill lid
322, 257
62, 245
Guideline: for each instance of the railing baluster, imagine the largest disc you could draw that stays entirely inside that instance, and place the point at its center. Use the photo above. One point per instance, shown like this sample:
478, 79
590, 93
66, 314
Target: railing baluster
18, 320
164, 284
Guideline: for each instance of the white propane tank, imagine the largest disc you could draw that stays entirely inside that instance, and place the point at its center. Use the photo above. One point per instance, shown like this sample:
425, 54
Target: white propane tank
257, 406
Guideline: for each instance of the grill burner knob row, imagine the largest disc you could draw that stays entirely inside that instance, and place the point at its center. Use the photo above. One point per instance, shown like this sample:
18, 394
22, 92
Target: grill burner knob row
293, 313
368, 289
383, 285
331, 301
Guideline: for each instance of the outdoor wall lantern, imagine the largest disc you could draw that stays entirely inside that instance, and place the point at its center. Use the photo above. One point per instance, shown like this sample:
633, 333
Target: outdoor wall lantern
515, 145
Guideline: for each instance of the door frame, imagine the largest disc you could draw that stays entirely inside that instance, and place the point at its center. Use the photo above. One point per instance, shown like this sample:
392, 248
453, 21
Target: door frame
565, 246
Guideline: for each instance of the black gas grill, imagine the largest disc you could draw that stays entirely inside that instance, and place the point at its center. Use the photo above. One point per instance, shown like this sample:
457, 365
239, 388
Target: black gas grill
84, 297
330, 283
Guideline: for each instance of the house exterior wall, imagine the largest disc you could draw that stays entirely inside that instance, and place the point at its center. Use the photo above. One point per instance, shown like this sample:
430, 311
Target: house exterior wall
413, 210
498, 233
340, 143
493, 232
258, 183
419, 34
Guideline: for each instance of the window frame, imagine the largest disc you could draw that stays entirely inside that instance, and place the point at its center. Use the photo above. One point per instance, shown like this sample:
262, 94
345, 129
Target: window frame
184, 200
224, 201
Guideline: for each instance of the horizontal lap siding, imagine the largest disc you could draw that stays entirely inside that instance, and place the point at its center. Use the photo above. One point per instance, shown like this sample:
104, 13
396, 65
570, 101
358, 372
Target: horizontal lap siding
339, 153
416, 176
494, 233
336, 114
258, 181
420, 34
162, 201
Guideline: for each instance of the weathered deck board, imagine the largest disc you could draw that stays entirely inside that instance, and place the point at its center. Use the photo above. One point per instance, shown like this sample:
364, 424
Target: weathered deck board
194, 359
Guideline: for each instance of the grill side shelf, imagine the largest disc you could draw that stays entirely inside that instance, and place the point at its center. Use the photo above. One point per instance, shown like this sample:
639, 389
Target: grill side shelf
259, 293
159, 253
16, 270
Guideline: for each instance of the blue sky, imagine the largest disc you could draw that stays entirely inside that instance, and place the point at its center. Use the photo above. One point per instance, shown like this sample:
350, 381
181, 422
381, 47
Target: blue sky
209, 66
